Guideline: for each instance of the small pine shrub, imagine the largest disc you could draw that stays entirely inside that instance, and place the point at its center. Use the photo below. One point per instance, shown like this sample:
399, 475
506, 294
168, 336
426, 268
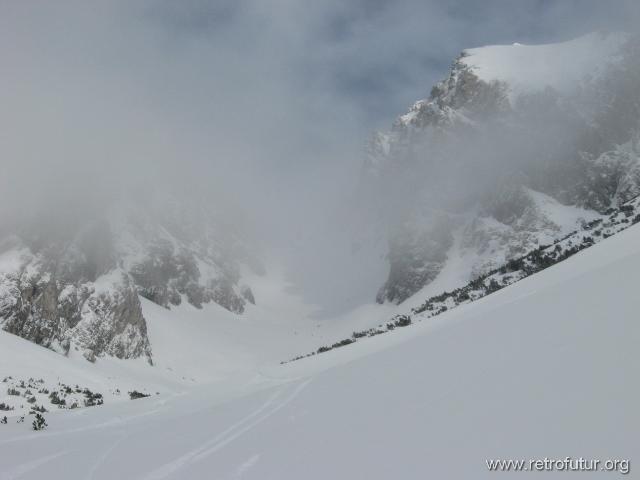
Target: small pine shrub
134, 395
39, 423
37, 408
402, 321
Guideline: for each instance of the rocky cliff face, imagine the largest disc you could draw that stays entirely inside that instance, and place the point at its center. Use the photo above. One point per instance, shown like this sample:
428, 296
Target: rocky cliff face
80, 288
503, 156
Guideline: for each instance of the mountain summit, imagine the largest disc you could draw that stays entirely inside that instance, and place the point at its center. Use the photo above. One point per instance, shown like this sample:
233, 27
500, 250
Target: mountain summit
517, 146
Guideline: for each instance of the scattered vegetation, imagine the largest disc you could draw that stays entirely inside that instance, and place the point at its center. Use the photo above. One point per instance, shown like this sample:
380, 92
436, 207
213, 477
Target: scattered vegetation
37, 408
36, 394
56, 400
92, 399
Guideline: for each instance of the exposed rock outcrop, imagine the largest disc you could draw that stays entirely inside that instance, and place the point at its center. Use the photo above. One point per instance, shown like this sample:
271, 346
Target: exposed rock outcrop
504, 162
80, 288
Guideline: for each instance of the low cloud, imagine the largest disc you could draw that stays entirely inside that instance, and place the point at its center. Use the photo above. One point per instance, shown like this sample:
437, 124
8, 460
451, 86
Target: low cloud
264, 106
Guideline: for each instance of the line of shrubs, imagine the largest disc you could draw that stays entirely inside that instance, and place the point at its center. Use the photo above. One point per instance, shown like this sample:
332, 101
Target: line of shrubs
511, 272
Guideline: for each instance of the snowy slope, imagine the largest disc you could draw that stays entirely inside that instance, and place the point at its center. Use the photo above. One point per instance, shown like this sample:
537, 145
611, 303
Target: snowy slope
562, 66
192, 347
545, 368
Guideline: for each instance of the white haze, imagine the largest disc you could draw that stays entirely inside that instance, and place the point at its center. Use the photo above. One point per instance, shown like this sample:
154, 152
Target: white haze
263, 107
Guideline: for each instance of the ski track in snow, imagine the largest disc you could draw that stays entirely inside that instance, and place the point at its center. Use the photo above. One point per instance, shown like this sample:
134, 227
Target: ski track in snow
245, 429
101, 460
229, 435
244, 467
118, 420
25, 468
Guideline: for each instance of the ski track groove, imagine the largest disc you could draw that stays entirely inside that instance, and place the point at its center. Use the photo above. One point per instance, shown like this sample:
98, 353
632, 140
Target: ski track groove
116, 421
24, 468
251, 425
228, 435
170, 467
100, 461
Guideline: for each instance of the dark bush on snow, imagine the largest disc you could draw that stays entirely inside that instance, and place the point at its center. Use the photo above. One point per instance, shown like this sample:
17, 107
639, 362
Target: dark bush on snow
39, 423
134, 395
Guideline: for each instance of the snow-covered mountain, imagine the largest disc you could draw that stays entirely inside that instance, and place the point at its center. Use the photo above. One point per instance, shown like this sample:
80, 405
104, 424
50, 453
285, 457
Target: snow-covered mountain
518, 146
511, 202
544, 368
79, 287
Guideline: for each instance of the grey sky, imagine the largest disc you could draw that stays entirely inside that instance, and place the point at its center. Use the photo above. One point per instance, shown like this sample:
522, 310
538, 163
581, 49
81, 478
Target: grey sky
381, 55
328, 71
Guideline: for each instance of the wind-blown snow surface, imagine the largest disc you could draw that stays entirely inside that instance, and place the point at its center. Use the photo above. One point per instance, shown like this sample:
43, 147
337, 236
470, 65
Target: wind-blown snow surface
562, 66
548, 367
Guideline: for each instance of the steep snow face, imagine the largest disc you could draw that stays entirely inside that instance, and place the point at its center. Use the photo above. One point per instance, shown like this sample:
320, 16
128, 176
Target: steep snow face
515, 147
562, 66
543, 368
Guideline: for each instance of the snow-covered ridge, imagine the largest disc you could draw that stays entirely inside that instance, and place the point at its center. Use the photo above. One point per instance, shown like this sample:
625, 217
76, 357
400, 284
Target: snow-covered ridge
562, 66
549, 134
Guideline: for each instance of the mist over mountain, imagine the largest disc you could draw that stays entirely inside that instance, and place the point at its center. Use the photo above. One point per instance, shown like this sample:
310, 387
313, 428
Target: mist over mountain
222, 257
478, 172
263, 108
205, 142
